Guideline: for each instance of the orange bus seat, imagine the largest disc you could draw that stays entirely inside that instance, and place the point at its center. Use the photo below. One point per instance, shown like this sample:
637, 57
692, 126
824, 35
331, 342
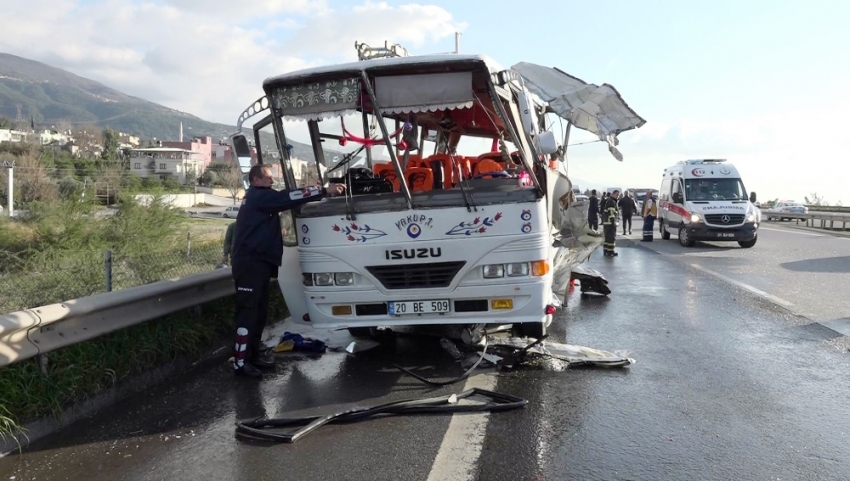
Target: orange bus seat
444, 173
486, 165
413, 160
387, 171
420, 179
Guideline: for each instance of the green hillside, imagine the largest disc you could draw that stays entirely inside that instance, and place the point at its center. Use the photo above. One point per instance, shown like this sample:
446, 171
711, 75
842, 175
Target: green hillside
52, 96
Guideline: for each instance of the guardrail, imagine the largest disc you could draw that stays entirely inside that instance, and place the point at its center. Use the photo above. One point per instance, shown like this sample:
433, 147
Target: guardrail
812, 218
828, 208
28, 333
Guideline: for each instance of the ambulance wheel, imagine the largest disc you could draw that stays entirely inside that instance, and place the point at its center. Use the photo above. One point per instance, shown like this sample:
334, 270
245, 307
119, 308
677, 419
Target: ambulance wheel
665, 234
684, 238
749, 243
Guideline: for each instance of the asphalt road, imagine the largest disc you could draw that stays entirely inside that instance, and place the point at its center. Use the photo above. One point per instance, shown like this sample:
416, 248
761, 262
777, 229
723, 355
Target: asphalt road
804, 270
726, 386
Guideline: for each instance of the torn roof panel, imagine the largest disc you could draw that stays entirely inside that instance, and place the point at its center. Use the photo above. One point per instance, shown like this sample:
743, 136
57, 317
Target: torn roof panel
597, 109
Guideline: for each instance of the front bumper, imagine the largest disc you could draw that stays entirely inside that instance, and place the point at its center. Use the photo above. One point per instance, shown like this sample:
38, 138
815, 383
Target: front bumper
469, 305
705, 232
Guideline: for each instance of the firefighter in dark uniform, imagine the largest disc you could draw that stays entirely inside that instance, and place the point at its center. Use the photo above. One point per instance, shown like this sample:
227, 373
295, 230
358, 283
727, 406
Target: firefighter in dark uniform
610, 218
256, 256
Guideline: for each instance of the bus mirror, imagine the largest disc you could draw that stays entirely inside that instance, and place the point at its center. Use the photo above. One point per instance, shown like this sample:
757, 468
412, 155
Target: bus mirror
753, 197
240, 146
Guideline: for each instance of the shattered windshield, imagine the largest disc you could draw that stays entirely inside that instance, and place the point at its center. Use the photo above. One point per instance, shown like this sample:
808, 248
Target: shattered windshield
714, 189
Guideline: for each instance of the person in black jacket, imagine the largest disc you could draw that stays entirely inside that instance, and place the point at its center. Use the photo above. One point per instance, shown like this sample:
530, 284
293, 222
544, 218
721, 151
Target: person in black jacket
593, 211
628, 207
256, 256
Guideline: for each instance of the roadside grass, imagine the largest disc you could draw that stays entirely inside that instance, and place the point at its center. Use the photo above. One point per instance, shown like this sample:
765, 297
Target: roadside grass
56, 253
83, 370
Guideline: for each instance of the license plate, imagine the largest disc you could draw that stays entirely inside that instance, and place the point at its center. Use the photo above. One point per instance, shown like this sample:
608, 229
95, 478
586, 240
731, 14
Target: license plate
400, 308
725, 234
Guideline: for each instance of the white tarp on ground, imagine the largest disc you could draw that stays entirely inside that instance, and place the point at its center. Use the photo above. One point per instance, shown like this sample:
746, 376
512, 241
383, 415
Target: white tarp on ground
597, 109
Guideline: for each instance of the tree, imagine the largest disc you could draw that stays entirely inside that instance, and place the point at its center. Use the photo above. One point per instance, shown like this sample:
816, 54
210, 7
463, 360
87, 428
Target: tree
231, 179
108, 183
208, 178
171, 184
815, 200
6, 123
111, 143
32, 182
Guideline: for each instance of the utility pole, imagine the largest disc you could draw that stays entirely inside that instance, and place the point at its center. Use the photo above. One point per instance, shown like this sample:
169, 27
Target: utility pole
11, 192
457, 42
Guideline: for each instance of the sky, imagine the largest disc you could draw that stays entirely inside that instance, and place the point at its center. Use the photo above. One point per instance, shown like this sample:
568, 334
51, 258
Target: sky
759, 83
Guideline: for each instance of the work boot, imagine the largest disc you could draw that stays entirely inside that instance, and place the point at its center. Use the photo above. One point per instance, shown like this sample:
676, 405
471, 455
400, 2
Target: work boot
263, 361
247, 370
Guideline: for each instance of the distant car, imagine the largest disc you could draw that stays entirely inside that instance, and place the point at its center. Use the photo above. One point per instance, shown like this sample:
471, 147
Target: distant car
788, 208
230, 212
581, 197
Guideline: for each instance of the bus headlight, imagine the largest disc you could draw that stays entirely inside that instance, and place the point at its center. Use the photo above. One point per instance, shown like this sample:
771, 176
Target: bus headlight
323, 279
517, 269
494, 271
695, 218
344, 278
751, 218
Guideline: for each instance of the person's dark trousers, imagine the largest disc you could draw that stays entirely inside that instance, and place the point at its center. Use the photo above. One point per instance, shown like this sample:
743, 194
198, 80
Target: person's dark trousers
610, 239
648, 228
627, 220
252, 279
593, 222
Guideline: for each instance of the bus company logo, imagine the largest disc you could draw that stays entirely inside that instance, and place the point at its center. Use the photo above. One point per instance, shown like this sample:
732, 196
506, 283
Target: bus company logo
304, 228
526, 215
725, 170
414, 224
526, 228
698, 172
420, 253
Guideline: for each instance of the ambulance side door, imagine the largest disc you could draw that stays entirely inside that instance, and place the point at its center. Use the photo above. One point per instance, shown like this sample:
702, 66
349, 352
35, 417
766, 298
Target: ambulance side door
664, 200
677, 203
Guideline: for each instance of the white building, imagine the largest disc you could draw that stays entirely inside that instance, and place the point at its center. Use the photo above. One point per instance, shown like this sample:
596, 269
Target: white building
11, 135
164, 162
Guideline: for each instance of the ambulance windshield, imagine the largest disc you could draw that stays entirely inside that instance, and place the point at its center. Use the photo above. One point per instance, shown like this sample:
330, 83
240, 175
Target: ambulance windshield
715, 189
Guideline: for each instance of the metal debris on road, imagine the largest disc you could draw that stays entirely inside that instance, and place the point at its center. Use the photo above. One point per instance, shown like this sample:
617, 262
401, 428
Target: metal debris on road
274, 429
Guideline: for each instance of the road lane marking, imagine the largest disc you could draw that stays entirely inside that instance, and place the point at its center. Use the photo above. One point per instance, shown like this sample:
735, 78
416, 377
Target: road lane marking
791, 232
748, 287
464, 440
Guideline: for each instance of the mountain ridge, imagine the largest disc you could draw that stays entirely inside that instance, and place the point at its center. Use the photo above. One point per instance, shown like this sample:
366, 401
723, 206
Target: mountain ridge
52, 96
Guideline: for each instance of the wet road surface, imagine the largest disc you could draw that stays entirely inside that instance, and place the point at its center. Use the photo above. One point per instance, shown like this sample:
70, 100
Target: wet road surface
803, 269
726, 386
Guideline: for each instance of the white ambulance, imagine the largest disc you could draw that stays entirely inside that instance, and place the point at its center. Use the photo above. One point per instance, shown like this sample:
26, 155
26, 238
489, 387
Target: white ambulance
705, 200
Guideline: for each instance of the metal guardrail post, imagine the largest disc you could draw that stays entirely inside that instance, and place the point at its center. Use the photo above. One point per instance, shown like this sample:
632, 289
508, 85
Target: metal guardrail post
188, 245
42, 363
107, 263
